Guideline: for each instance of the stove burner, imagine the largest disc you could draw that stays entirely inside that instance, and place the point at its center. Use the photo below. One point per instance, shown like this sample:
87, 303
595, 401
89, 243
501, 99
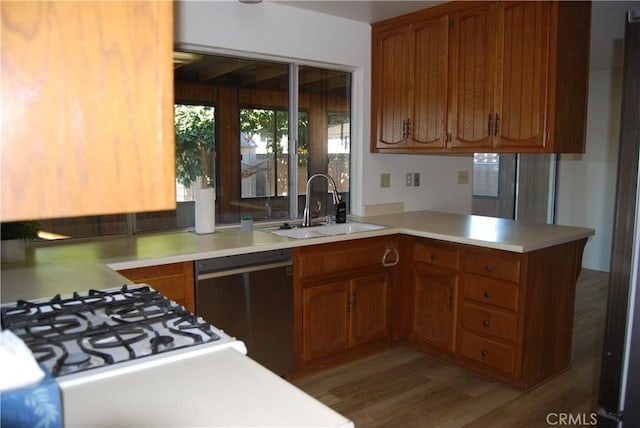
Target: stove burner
160, 343
99, 328
76, 359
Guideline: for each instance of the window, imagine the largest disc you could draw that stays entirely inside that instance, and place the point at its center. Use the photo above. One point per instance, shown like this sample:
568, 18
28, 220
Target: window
486, 174
339, 149
233, 132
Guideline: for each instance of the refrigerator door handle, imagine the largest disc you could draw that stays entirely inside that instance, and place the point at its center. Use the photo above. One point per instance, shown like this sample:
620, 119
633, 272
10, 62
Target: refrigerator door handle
615, 416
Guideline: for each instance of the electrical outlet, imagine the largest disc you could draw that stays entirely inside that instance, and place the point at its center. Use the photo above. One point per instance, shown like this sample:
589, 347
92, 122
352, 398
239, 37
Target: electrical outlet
463, 177
385, 180
409, 179
416, 179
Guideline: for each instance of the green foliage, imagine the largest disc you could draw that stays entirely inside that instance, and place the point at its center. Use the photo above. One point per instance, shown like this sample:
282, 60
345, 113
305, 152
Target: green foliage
270, 124
274, 126
195, 137
27, 230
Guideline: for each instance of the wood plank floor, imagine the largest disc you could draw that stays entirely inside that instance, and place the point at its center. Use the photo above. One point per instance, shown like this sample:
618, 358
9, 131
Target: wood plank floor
402, 387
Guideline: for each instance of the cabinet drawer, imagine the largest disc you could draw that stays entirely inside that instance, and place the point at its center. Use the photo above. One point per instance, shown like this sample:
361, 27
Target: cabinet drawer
490, 291
492, 266
436, 255
344, 256
490, 322
488, 352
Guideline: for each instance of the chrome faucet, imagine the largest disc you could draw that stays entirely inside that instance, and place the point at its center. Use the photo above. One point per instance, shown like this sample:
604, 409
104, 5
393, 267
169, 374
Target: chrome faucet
306, 216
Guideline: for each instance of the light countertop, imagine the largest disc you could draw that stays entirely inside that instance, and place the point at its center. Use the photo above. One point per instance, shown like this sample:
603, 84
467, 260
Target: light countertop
209, 389
79, 266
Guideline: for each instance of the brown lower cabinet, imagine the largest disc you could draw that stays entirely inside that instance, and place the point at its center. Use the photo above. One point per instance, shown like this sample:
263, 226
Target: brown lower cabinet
341, 300
435, 280
342, 314
174, 280
506, 315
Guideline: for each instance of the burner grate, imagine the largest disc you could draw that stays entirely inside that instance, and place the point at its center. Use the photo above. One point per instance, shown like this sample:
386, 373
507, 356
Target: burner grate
104, 327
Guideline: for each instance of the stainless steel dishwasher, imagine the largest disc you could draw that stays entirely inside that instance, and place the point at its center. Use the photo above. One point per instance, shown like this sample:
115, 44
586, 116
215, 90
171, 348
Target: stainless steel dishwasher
250, 297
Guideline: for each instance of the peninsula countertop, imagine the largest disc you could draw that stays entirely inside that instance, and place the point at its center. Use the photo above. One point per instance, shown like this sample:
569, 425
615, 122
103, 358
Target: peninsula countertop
82, 265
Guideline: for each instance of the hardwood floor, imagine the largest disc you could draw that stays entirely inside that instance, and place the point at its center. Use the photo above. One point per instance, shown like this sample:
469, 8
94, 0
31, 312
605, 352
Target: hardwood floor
402, 387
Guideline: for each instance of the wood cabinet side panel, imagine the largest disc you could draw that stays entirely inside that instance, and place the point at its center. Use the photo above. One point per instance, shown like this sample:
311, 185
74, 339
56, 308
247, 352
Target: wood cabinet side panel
548, 321
568, 93
86, 105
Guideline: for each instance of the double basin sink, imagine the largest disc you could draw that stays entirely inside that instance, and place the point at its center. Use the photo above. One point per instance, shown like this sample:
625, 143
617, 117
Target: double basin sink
323, 230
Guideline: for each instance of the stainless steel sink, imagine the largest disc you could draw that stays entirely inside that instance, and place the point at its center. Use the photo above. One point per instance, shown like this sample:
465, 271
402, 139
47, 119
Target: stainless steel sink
326, 230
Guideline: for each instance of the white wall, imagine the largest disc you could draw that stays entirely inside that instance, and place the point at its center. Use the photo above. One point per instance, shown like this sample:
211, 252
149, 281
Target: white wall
587, 183
270, 30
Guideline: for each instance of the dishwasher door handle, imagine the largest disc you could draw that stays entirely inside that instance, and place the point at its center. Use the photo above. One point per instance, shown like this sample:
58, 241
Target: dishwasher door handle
244, 269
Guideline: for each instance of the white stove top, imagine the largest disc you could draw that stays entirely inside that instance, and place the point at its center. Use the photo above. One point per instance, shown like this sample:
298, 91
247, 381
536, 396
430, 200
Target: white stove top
90, 335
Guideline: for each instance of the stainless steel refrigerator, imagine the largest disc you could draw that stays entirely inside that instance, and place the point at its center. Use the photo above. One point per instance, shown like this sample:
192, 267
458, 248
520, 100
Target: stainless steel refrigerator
619, 397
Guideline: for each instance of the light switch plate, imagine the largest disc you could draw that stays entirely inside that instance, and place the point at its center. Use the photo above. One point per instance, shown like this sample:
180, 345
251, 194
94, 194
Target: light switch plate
409, 179
385, 180
463, 177
416, 179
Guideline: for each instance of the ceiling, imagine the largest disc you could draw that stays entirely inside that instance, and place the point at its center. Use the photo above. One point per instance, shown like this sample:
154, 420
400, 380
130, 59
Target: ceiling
242, 73
361, 10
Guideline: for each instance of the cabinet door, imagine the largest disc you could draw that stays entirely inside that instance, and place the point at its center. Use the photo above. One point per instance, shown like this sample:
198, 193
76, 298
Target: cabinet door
472, 77
174, 281
522, 77
368, 308
434, 303
87, 102
325, 323
390, 83
430, 40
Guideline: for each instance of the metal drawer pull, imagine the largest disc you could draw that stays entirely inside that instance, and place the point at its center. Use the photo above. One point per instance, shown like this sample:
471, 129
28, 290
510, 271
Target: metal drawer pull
489, 268
486, 294
483, 353
485, 323
433, 256
394, 260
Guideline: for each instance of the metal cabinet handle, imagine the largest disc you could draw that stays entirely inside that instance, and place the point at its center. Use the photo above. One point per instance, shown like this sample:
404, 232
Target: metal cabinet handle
433, 256
489, 268
497, 127
489, 123
485, 323
483, 353
406, 128
486, 294
394, 261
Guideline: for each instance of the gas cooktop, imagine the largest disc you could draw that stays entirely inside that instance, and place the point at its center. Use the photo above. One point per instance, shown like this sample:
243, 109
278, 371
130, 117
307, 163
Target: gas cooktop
101, 328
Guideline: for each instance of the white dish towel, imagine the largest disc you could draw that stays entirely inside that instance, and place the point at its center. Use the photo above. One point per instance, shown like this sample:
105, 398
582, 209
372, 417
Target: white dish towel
18, 367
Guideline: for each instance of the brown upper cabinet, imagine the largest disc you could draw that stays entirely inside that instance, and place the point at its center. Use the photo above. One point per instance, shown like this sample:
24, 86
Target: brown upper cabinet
482, 77
87, 102
411, 95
